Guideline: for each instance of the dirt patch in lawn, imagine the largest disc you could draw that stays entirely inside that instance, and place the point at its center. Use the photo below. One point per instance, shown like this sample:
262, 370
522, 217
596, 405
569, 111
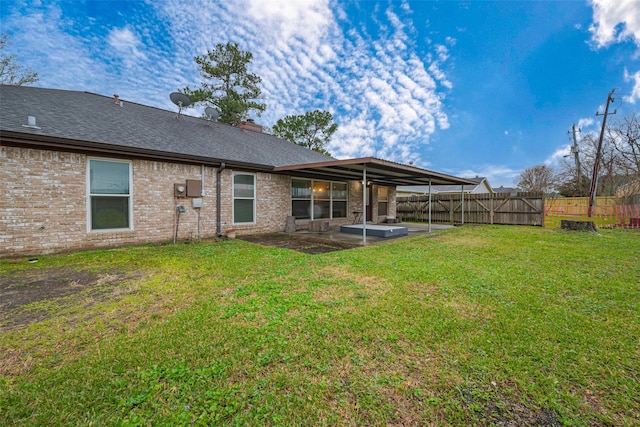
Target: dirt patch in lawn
305, 244
34, 295
508, 413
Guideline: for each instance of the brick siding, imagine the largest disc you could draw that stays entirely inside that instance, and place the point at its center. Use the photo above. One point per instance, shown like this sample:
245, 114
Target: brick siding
45, 205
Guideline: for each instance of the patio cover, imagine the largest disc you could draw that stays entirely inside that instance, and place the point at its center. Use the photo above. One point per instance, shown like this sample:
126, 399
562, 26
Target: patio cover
380, 172
375, 171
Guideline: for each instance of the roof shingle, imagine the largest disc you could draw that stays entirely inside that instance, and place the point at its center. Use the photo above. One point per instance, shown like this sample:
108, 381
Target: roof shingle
88, 117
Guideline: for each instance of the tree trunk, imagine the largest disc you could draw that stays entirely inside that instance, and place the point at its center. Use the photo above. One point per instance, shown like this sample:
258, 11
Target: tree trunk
578, 225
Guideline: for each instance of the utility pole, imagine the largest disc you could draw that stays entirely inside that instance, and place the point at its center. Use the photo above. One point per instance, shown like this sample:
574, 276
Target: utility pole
575, 151
596, 165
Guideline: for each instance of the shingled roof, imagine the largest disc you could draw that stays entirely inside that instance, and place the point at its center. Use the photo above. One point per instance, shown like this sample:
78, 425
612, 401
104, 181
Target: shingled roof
90, 122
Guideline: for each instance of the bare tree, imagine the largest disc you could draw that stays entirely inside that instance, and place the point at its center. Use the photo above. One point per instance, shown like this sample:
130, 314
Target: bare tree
619, 160
624, 138
12, 73
569, 184
624, 135
538, 178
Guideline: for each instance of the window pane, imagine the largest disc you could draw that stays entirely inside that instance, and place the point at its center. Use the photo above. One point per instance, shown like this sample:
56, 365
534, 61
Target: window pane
300, 189
243, 186
339, 191
109, 212
301, 209
321, 190
242, 210
321, 209
109, 177
382, 208
382, 193
339, 209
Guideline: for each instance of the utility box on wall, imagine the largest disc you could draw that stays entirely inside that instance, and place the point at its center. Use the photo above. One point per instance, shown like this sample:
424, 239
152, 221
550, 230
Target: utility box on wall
194, 188
179, 190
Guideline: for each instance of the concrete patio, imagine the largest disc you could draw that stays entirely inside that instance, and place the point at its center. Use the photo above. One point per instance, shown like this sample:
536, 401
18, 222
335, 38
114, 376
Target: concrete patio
334, 233
332, 240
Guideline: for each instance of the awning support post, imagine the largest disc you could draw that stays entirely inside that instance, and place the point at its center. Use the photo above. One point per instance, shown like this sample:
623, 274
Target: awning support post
429, 205
364, 205
462, 203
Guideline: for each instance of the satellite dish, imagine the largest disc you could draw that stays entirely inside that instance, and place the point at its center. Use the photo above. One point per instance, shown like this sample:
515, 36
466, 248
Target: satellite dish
181, 100
211, 113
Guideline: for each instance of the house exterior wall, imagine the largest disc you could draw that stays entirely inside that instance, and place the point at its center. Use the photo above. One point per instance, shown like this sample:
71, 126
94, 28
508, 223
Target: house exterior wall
272, 199
392, 202
482, 188
391, 205
45, 205
355, 202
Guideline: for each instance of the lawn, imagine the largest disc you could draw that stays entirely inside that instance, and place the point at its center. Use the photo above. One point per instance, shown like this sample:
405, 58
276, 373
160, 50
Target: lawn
478, 325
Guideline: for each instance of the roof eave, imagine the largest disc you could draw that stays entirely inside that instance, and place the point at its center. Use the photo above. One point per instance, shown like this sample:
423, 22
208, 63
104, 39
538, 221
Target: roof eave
30, 140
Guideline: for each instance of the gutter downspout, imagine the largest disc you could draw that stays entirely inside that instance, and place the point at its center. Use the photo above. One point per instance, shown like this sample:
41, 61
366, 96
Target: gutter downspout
202, 179
218, 198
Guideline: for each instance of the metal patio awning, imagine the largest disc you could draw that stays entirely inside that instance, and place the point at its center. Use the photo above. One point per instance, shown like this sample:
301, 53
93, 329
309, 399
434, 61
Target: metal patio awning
380, 172
375, 171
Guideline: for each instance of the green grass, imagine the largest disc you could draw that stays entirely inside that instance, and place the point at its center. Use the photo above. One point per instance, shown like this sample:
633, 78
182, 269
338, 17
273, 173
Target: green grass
475, 326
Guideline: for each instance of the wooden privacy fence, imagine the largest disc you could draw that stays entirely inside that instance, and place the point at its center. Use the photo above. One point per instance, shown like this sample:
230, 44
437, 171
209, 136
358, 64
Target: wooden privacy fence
576, 205
516, 209
604, 215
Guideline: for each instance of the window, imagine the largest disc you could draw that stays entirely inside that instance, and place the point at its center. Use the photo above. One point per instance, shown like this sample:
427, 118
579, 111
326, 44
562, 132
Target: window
244, 195
301, 198
109, 195
339, 200
318, 199
383, 200
321, 200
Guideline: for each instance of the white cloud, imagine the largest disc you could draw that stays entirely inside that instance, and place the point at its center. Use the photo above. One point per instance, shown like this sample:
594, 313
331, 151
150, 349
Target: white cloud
615, 21
386, 98
635, 91
554, 159
305, 20
378, 83
586, 123
127, 44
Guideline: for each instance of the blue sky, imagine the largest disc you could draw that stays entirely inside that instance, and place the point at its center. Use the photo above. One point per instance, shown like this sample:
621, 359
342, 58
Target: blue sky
469, 88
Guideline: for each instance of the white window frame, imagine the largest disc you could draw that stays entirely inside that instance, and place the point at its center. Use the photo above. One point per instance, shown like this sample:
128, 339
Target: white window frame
89, 195
233, 197
313, 198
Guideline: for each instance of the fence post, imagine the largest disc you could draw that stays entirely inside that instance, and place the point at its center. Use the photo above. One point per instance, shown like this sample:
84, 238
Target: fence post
491, 211
451, 209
